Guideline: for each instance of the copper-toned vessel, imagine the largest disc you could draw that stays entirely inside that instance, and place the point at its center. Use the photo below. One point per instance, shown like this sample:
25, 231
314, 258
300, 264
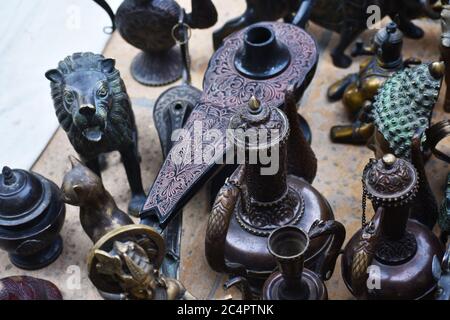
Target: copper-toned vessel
261, 196
391, 256
28, 288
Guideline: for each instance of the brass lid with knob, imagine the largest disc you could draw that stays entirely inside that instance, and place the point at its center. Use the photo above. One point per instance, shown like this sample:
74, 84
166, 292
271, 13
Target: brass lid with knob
258, 126
23, 196
390, 181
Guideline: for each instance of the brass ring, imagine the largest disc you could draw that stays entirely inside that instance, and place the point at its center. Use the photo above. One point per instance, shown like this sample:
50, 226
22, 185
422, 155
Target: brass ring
189, 32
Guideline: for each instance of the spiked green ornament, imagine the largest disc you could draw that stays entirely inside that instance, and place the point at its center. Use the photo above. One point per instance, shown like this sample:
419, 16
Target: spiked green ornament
405, 103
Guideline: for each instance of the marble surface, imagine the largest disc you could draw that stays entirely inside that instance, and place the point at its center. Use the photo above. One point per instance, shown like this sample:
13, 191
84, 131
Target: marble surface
338, 177
36, 35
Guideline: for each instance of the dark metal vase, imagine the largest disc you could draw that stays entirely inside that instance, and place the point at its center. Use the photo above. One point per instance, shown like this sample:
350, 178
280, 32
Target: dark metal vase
288, 246
398, 250
148, 25
31, 216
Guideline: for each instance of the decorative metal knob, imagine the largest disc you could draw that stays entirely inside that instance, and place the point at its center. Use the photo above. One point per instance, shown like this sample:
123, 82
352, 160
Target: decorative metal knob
8, 176
390, 181
258, 126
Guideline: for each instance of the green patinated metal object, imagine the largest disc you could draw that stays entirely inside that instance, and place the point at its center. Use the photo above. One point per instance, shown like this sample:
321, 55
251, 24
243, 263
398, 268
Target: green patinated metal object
405, 104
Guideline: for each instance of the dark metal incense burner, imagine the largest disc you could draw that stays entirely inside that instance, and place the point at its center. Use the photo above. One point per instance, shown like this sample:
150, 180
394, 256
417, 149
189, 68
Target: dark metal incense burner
288, 246
28, 288
31, 217
93, 107
173, 106
391, 257
226, 91
125, 259
148, 25
259, 197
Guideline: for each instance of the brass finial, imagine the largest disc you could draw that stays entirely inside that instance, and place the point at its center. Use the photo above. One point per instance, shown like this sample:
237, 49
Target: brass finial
254, 105
437, 69
389, 159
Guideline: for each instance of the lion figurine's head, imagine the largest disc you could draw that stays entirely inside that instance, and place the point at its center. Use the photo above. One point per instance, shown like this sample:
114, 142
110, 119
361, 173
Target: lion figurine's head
91, 103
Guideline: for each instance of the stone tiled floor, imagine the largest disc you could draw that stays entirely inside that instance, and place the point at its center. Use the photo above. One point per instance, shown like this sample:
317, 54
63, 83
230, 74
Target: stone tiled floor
338, 177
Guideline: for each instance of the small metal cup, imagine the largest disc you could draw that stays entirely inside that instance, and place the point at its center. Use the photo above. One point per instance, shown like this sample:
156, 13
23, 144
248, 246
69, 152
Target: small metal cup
288, 245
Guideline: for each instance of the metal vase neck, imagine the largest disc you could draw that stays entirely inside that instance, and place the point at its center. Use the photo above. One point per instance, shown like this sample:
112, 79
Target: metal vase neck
288, 245
260, 135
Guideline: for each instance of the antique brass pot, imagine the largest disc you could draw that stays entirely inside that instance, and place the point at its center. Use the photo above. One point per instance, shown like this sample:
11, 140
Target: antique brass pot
391, 257
255, 201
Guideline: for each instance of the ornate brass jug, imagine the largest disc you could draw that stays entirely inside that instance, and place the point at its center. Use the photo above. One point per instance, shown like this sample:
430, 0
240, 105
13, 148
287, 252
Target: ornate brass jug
259, 198
391, 257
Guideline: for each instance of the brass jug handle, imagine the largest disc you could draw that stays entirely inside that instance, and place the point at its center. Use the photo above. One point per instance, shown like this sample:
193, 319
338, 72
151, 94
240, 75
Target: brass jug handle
219, 221
435, 134
324, 267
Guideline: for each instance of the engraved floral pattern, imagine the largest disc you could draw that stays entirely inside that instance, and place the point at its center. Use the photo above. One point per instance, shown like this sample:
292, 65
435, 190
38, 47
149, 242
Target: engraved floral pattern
225, 90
